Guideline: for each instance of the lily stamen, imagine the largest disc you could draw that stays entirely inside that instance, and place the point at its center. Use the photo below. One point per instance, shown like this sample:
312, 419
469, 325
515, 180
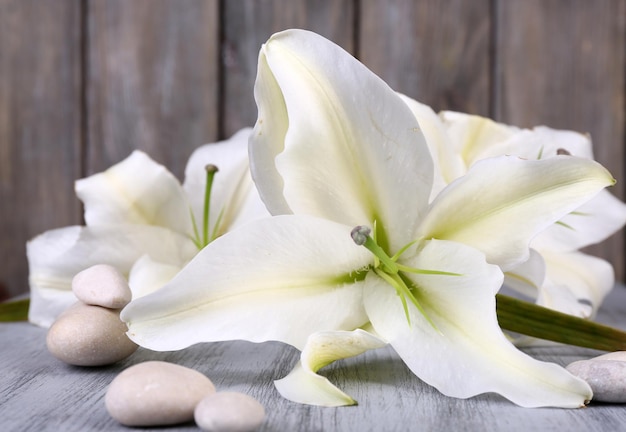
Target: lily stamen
390, 270
361, 236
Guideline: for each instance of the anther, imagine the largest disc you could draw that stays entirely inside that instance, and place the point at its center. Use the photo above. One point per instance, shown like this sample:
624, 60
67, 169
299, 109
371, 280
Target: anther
211, 169
360, 234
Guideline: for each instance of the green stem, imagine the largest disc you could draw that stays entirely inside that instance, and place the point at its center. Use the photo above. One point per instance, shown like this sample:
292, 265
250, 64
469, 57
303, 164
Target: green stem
532, 320
16, 310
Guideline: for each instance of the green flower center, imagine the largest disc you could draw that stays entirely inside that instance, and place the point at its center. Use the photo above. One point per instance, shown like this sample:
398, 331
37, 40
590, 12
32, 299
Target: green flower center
390, 270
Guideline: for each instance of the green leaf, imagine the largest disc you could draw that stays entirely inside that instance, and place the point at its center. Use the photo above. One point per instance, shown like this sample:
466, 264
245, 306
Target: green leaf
531, 320
16, 310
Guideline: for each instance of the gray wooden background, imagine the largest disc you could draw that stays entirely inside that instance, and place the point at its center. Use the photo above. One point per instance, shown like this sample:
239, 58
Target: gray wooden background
83, 82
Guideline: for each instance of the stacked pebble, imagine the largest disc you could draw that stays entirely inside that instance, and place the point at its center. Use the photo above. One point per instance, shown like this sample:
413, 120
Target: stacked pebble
154, 393
90, 333
157, 393
605, 374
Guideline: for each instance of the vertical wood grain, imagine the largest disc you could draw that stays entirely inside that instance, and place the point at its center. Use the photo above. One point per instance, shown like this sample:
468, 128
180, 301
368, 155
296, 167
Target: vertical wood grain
247, 24
434, 51
167, 76
152, 79
39, 127
562, 63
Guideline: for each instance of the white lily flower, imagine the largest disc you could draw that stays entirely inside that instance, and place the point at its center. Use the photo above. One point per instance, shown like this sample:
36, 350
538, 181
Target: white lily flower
335, 147
562, 282
138, 209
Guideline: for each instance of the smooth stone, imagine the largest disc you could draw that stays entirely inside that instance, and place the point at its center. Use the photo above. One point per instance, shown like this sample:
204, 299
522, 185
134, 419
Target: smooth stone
229, 412
86, 335
156, 393
102, 285
617, 356
607, 378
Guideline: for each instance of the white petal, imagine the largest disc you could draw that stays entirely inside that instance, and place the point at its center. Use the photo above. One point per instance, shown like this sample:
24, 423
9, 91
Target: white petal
528, 277
55, 256
47, 304
350, 150
448, 163
473, 135
479, 138
574, 143
588, 278
589, 224
135, 191
279, 278
147, 275
234, 199
303, 385
268, 138
540, 143
502, 203
467, 353
560, 298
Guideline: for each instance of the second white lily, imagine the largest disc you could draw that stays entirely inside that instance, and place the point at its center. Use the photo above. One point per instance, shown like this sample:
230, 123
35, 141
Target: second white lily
139, 219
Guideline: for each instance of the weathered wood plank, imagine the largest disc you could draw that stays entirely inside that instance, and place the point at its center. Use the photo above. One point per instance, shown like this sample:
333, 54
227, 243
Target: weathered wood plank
154, 82
434, 51
152, 79
391, 398
562, 63
40, 124
248, 24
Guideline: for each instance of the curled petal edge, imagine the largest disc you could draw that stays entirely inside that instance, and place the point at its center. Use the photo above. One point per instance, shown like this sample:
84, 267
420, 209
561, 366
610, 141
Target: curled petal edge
304, 385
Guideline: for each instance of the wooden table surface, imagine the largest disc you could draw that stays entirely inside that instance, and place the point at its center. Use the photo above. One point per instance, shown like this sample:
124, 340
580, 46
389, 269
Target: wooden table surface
40, 393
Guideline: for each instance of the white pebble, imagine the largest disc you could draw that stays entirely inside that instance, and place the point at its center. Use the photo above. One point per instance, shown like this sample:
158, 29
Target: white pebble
617, 356
86, 335
229, 412
102, 285
607, 378
156, 393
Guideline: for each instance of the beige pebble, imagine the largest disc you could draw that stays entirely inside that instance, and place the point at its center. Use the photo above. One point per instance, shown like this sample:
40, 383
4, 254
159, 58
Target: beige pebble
86, 335
156, 393
229, 412
102, 285
617, 356
607, 378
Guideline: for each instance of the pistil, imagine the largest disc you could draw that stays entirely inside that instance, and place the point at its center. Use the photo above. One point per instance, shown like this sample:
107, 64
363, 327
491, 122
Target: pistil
210, 174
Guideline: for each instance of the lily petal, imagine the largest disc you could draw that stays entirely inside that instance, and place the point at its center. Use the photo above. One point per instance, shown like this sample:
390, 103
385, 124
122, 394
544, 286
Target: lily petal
351, 150
450, 163
55, 256
465, 353
542, 142
528, 277
137, 190
501, 221
473, 136
588, 278
268, 138
234, 199
280, 278
591, 223
147, 275
304, 385
478, 138
562, 299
